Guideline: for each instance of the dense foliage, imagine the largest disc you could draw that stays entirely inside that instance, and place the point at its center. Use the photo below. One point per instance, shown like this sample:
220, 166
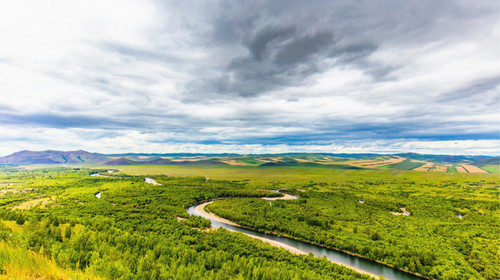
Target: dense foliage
452, 231
137, 230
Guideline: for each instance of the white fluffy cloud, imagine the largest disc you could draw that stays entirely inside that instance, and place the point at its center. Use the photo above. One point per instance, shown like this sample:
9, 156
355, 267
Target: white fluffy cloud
328, 76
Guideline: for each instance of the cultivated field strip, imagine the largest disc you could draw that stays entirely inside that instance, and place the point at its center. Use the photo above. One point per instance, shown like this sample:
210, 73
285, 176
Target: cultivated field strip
440, 168
375, 163
461, 169
426, 167
473, 169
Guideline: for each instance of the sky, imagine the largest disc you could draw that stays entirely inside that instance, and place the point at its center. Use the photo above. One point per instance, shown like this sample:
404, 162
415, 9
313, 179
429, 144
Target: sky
250, 76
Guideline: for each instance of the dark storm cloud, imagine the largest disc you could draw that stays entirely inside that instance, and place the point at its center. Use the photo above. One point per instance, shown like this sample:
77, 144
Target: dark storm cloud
302, 48
485, 88
277, 57
286, 46
255, 72
267, 37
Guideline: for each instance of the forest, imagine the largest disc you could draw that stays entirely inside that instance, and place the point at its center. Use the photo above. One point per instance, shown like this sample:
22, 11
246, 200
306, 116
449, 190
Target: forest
51, 217
134, 231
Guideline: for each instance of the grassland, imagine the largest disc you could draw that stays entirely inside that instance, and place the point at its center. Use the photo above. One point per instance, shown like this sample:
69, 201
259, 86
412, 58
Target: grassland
493, 169
155, 229
17, 263
406, 165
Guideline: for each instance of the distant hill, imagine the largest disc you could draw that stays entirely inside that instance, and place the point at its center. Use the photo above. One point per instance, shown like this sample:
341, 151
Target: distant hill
120, 161
489, 161
445, 158
53, 157
345, 161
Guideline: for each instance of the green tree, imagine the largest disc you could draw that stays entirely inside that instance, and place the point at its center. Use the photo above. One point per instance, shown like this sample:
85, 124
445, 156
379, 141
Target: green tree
67, 232
20, 220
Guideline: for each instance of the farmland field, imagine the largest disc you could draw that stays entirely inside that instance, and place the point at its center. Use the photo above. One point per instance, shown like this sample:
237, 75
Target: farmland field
473, 169
493, 169
424, 167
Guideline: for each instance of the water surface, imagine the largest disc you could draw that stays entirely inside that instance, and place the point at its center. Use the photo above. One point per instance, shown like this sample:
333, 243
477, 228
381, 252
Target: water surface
335, 256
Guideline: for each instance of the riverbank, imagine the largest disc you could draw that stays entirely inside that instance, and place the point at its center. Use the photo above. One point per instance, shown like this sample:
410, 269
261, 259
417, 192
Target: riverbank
284, 197
216, 218
200, 210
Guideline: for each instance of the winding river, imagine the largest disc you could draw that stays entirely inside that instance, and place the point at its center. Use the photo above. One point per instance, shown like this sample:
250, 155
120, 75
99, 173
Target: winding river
356, 263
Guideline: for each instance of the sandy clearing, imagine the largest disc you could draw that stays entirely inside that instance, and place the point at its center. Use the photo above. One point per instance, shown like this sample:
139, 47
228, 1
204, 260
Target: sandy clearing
460, 169
7, 191
473, 169
278, 244
284, 197
151, 181
425, 167
405, 213
32, 203
200, 210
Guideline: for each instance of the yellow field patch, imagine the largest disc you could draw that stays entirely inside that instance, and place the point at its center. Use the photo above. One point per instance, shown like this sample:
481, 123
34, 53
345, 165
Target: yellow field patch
302, 160
270, 159
232, 162
13, 226
7, 191
374, 163
32, 203
440, 168
460, 169
425, 167
473, 169
191, 159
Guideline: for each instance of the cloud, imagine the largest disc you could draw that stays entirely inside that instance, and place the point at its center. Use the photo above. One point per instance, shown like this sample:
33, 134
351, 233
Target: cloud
274, 74
264, 38
97, 140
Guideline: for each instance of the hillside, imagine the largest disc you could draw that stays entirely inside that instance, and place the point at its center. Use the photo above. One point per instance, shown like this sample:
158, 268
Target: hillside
405, 161
53, 157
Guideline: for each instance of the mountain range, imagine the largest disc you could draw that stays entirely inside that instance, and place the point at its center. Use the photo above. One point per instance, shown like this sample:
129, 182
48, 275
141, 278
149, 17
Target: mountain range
289, 159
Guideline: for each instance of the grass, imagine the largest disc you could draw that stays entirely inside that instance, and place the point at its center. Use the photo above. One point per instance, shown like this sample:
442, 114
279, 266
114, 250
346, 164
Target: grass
32, 203
329, 193
452, 169
18, 263
15, 228
405, 165
493, 169
249, 161
298, 175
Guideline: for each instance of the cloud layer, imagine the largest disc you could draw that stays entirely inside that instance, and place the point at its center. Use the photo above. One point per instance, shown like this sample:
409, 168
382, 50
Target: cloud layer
250, 76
